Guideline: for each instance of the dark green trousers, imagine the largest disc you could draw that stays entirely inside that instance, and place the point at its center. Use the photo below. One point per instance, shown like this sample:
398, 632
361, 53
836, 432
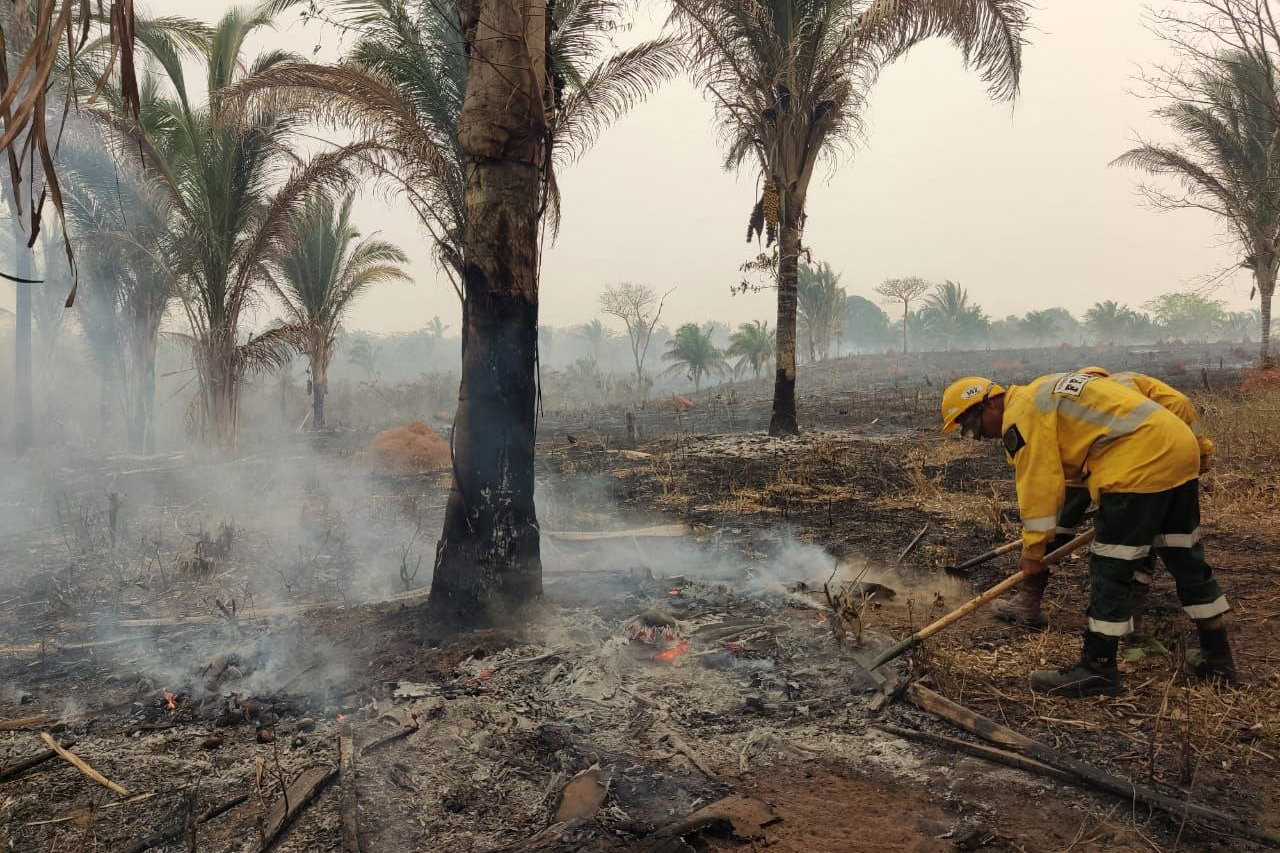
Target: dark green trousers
1074, 505
1129, 527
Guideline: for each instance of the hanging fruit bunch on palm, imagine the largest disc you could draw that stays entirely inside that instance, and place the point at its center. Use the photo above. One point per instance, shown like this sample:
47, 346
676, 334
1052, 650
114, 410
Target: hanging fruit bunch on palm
764, 216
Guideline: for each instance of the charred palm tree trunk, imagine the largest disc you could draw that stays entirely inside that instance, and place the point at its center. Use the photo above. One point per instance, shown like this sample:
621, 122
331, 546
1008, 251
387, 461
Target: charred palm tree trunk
22, 409
488, 564
784, 385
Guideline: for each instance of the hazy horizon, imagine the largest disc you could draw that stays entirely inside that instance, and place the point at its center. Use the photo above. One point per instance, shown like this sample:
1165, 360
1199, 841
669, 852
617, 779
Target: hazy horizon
1016, 203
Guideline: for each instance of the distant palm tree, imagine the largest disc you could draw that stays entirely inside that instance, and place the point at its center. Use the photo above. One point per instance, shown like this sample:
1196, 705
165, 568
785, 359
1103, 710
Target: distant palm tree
324, 269
361, 354
949, 316
216, 163
1040, 327
692, 351
791, 80
820, 304
596, 335
753, 344
1227, 160
1110, 321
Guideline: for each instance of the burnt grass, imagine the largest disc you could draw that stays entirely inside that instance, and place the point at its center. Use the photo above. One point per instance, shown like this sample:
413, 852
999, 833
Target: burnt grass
870, 494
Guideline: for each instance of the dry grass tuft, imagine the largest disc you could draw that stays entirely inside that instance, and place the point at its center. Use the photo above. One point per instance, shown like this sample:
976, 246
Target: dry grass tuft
414, 449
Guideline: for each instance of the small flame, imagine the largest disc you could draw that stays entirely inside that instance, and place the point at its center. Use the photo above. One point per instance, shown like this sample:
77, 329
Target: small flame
672, 653
673, 592
342, 718
170, 699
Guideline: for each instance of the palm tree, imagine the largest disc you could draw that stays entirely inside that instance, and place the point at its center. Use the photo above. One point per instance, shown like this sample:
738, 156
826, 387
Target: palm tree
403, 83
325, 267
1228, 159
596, 335
791, 80
949, 316
1040, 327
753, 345
692, 351
820, 307
1110, 321
217, 163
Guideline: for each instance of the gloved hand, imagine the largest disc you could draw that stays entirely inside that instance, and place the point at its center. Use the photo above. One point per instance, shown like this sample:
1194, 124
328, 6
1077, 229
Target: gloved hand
1031, 568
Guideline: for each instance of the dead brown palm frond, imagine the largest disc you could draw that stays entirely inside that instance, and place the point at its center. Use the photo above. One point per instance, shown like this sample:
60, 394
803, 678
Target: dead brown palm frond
46, 38
271, 350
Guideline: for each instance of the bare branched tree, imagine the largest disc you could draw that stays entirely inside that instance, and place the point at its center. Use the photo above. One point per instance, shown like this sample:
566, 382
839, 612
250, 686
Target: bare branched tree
906, 291
1223, 104
639, 307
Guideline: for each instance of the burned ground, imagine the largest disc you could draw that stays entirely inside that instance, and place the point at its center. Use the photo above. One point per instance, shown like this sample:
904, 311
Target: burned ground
192, 672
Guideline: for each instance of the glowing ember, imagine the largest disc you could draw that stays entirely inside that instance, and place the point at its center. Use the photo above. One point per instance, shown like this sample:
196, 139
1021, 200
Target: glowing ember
672, 653
673, 592
169, 699
342, 718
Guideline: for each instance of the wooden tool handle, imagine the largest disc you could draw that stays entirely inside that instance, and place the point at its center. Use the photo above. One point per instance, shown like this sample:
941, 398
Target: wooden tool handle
987, 557
1001, 588
978, 602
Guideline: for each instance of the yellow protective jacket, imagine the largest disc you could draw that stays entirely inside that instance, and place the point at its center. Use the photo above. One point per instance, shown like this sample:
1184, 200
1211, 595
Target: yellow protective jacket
1169, 397
1074, 427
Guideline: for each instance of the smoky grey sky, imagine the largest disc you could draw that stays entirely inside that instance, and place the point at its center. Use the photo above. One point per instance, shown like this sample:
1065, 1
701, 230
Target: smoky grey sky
1016, 203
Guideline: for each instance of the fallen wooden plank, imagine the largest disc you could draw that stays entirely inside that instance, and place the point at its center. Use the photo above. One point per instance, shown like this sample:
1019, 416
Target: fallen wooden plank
80, 764
1180, 810
22, 765
582, 797
385, 729
300, 794
660, 531
348, 801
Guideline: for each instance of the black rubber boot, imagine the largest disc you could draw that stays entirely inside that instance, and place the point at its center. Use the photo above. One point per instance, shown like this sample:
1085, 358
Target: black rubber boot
1215, 663
1094, 675
1024, 607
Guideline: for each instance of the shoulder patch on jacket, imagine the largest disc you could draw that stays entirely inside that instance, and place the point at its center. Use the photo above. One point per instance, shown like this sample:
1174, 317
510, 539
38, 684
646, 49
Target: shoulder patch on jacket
1013, 441
1073, 383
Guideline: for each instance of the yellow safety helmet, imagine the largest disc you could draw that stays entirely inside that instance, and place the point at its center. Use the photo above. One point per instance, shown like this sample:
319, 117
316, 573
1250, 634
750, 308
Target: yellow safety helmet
1095, 371
962, 395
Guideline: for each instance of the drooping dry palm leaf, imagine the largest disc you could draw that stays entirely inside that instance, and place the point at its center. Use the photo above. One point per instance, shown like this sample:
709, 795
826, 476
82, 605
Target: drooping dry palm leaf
36, 42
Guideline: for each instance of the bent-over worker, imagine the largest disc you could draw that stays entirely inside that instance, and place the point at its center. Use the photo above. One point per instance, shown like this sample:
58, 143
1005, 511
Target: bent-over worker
1141, 464
1025, 605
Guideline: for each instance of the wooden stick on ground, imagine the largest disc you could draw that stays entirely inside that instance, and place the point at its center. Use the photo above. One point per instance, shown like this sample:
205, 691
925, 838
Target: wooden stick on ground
166, 834
24, 722
989, 753
679, 745
22, 765
348, 803
79, 763
1178, 809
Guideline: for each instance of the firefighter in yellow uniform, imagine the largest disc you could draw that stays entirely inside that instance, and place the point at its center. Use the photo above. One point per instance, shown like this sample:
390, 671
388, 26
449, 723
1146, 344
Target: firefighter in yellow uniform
1141, 464
1025, 605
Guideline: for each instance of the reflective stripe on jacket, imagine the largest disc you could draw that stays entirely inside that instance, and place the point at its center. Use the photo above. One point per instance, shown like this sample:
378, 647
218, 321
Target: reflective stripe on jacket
1169, 397
1081, 428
